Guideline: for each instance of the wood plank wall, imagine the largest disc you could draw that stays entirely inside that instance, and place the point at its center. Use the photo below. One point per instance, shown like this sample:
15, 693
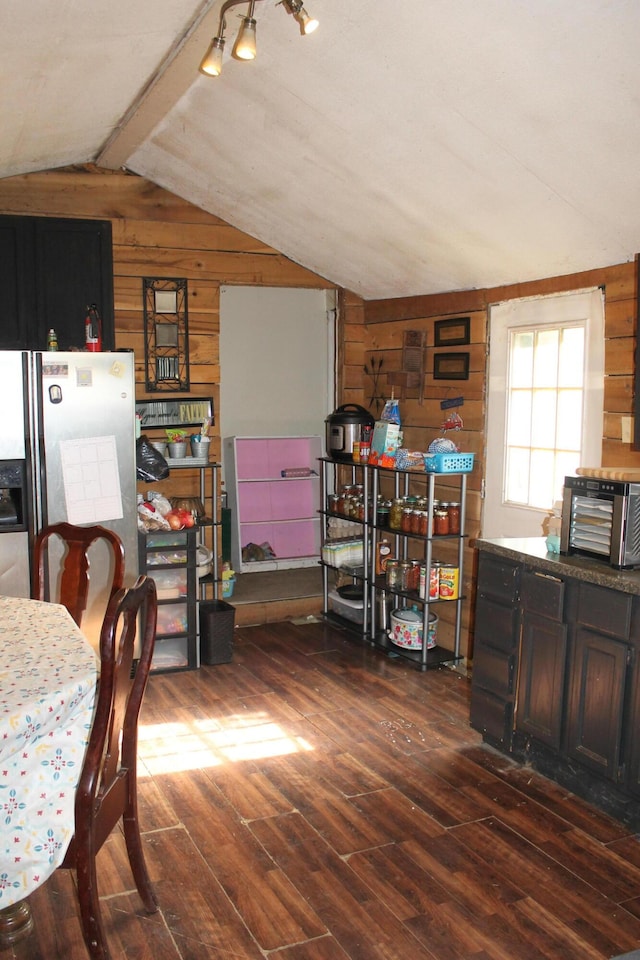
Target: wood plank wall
157, 234
381, 340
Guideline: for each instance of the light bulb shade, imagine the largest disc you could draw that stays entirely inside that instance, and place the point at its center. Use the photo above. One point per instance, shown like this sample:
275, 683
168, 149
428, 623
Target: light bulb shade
211, 63
308, 24
245, 48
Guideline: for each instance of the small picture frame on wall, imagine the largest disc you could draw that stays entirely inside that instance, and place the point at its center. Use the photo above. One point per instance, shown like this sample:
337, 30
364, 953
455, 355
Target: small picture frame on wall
451, 366
454, 332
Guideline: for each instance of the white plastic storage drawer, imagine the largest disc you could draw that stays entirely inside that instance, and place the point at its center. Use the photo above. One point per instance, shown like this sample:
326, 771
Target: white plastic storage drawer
172, 618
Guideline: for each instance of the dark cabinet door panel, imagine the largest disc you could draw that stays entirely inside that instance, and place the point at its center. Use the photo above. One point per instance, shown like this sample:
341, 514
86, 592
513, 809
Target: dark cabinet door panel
73, 263
541, 681
51, 269
16, 280
594, 723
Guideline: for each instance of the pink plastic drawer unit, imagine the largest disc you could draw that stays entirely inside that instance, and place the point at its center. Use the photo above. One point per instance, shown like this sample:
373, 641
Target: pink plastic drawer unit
268, 507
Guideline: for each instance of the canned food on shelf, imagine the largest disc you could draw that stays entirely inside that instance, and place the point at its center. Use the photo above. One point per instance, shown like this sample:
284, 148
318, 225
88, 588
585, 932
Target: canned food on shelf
449, 588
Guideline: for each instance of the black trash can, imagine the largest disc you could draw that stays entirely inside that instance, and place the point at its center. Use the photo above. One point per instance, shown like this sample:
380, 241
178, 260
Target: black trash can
217, 618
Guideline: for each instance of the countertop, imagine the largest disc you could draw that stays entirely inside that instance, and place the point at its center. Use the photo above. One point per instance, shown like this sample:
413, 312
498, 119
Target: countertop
523, 549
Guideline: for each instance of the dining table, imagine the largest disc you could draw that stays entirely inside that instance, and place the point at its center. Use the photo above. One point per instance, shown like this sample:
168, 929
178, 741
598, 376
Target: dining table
48, 677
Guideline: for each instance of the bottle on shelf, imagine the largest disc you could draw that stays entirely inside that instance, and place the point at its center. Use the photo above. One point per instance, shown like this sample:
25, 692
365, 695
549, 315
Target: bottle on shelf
52, 340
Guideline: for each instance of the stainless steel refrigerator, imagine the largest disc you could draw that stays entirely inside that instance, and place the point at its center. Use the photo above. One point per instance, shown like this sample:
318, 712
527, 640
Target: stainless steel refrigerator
67, 452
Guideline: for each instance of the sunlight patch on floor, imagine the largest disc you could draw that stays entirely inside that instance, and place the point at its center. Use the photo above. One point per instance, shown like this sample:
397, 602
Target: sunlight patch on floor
176, 747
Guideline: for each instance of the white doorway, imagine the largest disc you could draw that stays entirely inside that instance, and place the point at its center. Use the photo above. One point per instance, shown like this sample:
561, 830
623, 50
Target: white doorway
544, 405
277, 361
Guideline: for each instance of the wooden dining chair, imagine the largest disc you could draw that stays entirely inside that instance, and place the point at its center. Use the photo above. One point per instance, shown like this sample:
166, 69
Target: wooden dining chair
74, 577
107, 790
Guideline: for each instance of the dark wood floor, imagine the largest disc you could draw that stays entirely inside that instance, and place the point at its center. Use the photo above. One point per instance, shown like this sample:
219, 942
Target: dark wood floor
314, 800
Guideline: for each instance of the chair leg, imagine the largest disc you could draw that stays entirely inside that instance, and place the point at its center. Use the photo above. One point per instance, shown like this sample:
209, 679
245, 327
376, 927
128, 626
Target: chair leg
90, 916
133, 841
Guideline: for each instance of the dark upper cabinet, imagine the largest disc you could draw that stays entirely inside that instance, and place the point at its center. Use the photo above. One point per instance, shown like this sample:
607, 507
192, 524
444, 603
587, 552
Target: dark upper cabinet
50, 270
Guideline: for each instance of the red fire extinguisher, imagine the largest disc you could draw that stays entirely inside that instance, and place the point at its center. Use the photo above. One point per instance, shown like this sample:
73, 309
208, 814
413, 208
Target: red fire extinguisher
93, 330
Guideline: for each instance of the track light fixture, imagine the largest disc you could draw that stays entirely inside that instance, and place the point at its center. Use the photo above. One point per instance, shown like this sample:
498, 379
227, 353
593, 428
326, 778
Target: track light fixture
307, 24
245, 45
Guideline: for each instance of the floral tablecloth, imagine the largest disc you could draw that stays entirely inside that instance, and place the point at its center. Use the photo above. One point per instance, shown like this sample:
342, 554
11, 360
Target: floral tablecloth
48, 677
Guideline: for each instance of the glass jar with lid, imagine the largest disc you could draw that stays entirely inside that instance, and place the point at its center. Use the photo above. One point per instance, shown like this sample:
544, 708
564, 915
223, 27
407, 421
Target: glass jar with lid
405, 520
454, 517
440, 522
395, 514
414, 575
382, 514
392, 575
405, 574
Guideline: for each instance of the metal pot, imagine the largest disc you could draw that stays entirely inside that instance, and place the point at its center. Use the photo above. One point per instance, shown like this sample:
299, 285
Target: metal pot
343, 429
406, 629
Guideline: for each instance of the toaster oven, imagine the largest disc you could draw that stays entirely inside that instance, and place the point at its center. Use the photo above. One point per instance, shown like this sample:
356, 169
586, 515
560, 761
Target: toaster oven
601, 519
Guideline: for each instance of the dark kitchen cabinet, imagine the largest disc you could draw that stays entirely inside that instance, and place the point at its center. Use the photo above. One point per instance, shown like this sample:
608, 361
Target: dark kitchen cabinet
565, 697
51, 269
600, 664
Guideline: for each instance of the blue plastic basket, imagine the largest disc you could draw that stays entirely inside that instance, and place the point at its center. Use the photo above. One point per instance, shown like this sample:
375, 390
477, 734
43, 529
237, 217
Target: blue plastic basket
448, 462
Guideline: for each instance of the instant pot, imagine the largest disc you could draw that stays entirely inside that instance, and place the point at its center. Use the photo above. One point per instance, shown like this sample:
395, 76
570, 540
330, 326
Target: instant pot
343, 429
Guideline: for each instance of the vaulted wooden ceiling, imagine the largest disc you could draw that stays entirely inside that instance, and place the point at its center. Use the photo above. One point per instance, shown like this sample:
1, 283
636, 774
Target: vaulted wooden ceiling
403, 148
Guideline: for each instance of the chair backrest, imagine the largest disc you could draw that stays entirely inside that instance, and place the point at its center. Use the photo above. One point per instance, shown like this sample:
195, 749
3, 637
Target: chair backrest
106, 788
74, 577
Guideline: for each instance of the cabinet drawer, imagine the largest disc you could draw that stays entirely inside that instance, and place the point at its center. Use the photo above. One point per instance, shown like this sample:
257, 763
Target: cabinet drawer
495, 625
172, 618
491, 716
164, 541
171, 584
494, 671
170, 654
542, 594
498, 578
604, 610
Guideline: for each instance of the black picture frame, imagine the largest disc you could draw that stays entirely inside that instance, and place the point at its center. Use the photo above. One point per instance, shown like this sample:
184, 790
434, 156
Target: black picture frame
453, 332
451, 366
